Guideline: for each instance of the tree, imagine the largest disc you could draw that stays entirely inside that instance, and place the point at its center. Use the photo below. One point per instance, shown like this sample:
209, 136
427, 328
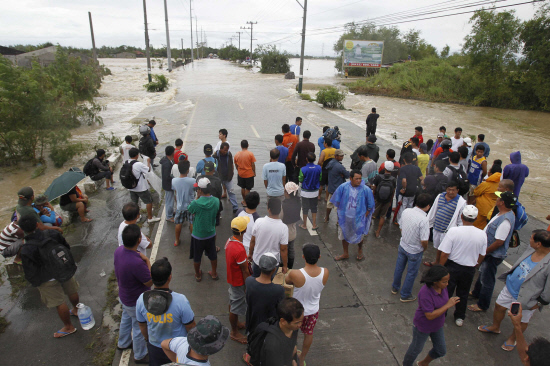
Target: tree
445, 51
273, 61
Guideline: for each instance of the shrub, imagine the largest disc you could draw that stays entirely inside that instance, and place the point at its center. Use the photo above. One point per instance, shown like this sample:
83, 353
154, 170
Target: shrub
305, 96
331, 97
159, 84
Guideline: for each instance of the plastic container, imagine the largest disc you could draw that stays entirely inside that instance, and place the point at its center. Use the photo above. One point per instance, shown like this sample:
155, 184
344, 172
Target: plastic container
85, 316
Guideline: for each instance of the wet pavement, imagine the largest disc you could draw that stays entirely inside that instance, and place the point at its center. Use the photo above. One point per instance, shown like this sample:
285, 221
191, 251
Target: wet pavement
360, 321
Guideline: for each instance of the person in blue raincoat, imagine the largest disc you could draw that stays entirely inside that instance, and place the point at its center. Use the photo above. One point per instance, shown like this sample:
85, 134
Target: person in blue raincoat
355, 204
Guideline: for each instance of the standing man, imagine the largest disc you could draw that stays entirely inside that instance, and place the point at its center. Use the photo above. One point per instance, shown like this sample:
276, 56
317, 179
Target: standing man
337, 175
133, 273
321, 140
383, 186
222, 134
274, 176
225, 172
499, 232
481, 142
147, 144
355, 204
289, 141
184, 191
237, 273
327, 154
415, 232
308, 283
283, 151
162, 313
152, 125
445, 213
166, 164
299, 156
141, 191
269, 235
295, 128
462, 250
310, 177
207, 149
407, 183
517, 172
203, 237
246, 169
372, 119
52, 282
368, 169
125, 148
457, 141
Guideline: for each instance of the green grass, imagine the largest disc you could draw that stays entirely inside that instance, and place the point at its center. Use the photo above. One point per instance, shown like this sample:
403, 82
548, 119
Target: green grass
3, 324
306, 96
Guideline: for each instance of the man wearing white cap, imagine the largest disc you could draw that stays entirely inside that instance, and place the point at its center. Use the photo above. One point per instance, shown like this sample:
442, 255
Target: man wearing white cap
383, 187
462, 249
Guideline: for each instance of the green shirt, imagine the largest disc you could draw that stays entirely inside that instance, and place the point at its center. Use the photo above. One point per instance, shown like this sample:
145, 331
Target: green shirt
205, 209
27, 211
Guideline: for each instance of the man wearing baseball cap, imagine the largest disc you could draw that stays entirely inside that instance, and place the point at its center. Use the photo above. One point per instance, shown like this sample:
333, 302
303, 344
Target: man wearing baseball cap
499, 232
216, 188
206, 339
208, 151
462, 249
237, 265
24, 208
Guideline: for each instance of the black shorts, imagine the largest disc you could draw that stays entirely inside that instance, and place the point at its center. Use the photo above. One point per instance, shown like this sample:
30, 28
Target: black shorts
106, 174
309, 204
324, 177
208, 246
245, 183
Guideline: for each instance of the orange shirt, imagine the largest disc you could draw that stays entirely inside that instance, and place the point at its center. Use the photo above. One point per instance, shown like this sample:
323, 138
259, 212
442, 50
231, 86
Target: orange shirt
244, 159
290, 141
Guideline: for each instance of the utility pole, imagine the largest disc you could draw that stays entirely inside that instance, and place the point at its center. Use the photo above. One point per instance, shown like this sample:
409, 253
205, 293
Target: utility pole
197, 34
168, 50
301, 76
94, 53
202, 46
191, 21
251, 30
182, 55
240, 39
147, 43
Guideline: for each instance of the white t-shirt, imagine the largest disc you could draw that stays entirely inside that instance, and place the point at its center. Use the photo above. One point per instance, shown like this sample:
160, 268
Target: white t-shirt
126, 150
464, 244
456, 143
139, 169
142, 248
219, 144
249, 228
502, 230
270, 234
180, 347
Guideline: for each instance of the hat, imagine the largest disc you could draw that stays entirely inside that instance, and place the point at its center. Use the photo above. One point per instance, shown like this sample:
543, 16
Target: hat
209, 166
470, 211
240, 223
208, 337
268, 262
371, 138
509, 198
144, 130
25, 194
423, 147
446, 143
208, 149
468, 141
40, 200
183, 157
202, 183
441, 134
339, 152
292, 187
157, 302
388, 165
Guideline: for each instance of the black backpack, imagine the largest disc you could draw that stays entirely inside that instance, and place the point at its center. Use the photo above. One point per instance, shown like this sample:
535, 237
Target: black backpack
384, 189
56, 258
90, 169
441, 185
333, 134
461, 178
127, 177
256, 341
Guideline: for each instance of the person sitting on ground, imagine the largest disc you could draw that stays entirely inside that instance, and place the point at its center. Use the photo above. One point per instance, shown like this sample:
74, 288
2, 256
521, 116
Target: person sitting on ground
11, 240
292, 207
383, 186
311, 177
184, 191
485, 196
537, 353
103, 170
124, 149
308, 284
24, 208
131, 215
206, 339
252, 201
337, 175
47, 214
75, 201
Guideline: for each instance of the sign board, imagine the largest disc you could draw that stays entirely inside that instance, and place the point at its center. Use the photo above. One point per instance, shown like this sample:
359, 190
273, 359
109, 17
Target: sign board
363, 53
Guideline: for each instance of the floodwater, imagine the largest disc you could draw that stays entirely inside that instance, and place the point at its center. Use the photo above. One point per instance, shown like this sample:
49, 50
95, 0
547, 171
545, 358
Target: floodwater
128, 104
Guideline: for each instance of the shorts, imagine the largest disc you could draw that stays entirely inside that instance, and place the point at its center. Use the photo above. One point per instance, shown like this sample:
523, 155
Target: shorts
380, 209
309, 323
237, 300
144, 195
341, 236
70, 207
181, 216
208, 246
52, 292
330, 204
505, 299
472, 188
309, 204
101, 175
438, 238
245, 183
324, 177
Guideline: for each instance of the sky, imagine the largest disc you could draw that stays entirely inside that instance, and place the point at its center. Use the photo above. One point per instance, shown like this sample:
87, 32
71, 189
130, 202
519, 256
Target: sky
279, 22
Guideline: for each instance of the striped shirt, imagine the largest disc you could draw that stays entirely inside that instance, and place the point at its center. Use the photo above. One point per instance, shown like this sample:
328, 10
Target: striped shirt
9, 237
445, 212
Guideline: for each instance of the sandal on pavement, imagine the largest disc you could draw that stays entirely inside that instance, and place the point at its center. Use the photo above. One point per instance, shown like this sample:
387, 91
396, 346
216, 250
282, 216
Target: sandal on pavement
241, 340
475, 308
63, 334
428, 264
214, 278
199, 279
246, 359
483, 329
513, 346
340, 258
359, 259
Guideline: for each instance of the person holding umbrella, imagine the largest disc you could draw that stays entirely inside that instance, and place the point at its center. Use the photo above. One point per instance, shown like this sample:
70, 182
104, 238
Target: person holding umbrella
71, 197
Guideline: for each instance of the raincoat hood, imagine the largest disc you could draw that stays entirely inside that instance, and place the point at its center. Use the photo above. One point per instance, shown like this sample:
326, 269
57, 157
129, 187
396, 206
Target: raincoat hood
515, 157
494, 178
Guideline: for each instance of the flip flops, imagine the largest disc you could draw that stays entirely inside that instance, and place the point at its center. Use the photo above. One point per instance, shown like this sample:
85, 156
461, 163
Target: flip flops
240, 340
199, 279
212, 277
63, 334
508, 345
483, 329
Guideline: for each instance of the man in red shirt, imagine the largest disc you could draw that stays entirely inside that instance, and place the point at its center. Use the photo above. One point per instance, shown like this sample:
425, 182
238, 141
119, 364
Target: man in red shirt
418, 133
237, 271
289, 141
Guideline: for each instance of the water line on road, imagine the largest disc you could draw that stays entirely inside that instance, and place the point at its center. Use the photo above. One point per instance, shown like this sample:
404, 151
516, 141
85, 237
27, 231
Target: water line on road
255, 132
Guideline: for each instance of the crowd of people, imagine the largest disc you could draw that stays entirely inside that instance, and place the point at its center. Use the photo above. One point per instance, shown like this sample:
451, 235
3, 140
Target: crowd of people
438, 191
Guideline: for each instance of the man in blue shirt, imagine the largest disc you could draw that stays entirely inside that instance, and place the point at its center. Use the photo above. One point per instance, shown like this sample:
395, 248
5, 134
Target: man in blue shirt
208, 151
310, 177
274, 176
162, 313
295, 128
481, 141
321, 140
283, 150
152, 124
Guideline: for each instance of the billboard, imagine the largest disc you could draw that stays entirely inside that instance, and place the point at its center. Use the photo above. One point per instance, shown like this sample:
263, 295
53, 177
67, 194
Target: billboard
363, 53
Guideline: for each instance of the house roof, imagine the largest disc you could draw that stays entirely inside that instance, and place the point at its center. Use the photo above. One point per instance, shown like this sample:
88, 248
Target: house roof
9, 51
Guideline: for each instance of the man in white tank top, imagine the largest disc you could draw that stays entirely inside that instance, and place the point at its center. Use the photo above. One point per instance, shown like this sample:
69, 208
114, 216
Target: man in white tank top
308, 283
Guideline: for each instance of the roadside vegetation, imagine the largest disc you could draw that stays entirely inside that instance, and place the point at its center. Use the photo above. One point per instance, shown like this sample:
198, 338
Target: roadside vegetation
232, 53
273, 60
160, 83
331, 97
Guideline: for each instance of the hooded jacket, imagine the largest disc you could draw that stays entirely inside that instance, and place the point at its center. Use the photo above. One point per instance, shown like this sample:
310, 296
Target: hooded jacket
337, 175
373, 151
166, 173
147, 147
486, 199
516, 171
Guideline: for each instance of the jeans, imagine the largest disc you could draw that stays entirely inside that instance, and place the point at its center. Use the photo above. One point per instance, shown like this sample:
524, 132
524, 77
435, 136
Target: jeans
169, 204
485, 284
232, 198
129, 328
419, 339
461, 280
412, 261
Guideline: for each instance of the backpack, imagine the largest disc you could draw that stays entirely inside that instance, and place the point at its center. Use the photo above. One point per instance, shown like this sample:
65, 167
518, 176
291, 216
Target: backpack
521, 216
384, 189
256, 341
89, 169
127, 177
333, 134
461, 178
356, 165
441, 185
56, 258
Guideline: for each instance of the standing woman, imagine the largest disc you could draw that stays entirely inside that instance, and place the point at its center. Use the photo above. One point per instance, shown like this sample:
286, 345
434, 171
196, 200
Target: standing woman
433, 302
